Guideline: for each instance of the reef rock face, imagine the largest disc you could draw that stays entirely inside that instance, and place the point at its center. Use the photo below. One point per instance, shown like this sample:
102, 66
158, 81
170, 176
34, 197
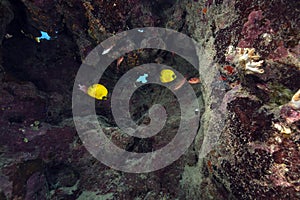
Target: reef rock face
7, 16
250, 121
257, 153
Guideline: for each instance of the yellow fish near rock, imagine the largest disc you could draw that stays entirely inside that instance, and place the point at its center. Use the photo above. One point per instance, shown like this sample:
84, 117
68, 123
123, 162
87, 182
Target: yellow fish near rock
167, 75
96, 91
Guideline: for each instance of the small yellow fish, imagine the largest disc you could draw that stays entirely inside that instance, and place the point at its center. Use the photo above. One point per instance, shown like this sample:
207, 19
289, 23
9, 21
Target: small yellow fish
167, 75
97, 91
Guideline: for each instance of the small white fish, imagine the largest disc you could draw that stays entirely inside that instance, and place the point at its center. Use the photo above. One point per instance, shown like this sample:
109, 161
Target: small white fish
7, 36
141, 30
83, 88
107, 50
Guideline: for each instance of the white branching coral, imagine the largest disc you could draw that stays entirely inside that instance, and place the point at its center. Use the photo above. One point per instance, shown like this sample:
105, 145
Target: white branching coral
245, 58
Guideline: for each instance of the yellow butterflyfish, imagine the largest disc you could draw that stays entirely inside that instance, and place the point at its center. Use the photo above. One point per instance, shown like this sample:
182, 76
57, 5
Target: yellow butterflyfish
96, 91
167, 75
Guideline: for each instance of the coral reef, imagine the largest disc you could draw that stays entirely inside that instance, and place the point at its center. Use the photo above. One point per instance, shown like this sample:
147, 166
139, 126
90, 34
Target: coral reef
262, 128
249, 95
256, 26
245, 59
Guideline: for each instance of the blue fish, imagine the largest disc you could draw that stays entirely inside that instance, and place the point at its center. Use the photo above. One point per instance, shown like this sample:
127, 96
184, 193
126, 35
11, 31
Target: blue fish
142, 79
44, 36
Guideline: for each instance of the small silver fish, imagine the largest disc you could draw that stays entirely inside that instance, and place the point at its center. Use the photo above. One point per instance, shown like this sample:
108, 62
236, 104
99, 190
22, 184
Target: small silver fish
107, 50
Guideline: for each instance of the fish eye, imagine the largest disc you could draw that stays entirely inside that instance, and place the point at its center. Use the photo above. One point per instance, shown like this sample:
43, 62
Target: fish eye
173, 76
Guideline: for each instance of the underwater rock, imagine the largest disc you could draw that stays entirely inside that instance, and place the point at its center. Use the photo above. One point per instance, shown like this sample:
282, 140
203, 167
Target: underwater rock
6, 17
249, 129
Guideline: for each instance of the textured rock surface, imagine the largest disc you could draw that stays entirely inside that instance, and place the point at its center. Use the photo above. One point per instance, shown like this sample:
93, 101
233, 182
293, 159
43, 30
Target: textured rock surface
41, 155
6, 17
253, 160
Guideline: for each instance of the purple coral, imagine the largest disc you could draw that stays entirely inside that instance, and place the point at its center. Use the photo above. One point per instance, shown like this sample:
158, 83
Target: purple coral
279, 53
289, 114
253, 28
